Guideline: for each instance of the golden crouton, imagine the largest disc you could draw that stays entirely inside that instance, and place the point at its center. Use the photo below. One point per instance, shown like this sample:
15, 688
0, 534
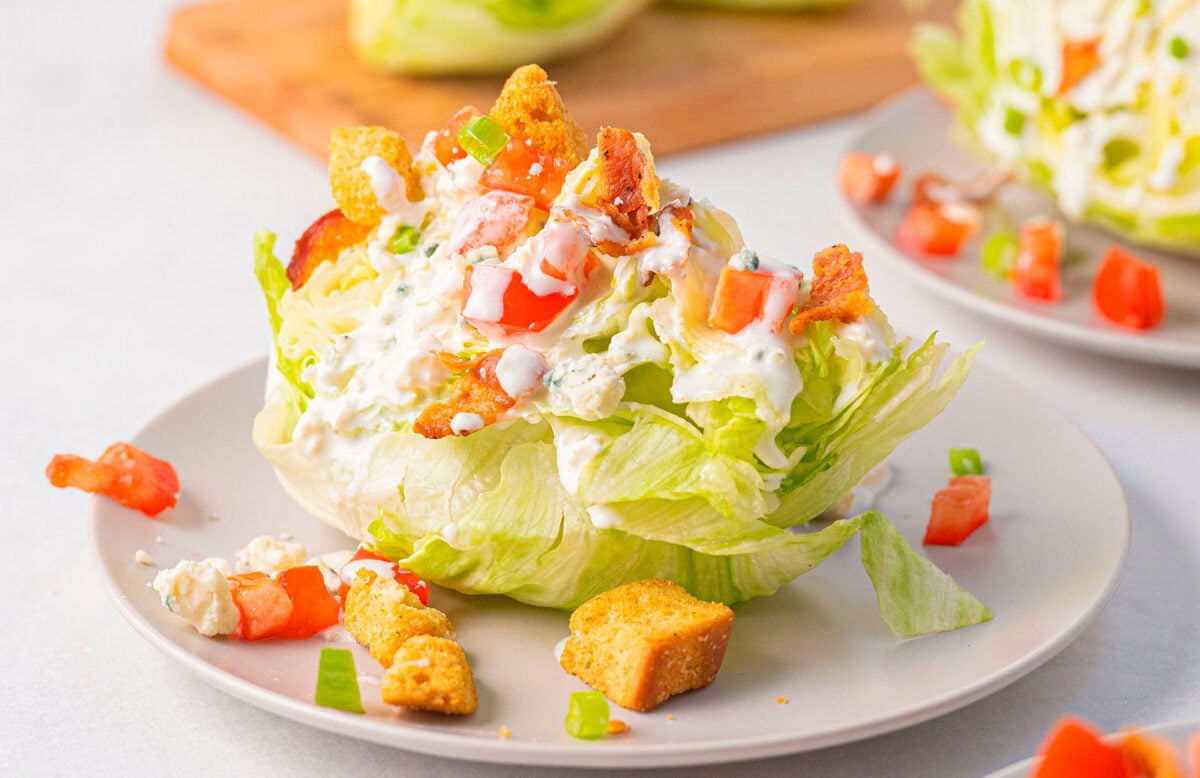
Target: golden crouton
430, 673
529, 107
645, 641
348, 147
382, 614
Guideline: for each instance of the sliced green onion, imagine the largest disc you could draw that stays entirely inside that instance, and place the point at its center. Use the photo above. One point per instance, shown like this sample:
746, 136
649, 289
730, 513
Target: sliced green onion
587, 715
1014, 121
965, 461
337, 681
405, 240
483, 139
1118, 151
1026, 74
999, 254
1179, 48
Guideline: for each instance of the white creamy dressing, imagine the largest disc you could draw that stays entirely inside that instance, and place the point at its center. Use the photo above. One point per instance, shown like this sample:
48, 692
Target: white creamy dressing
575, 446
519, 370
384, 371
379, 567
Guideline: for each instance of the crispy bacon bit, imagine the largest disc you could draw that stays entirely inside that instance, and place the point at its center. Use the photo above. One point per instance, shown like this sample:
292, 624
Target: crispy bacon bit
478, 392
937, 189
624, 168
323, 241
839, 289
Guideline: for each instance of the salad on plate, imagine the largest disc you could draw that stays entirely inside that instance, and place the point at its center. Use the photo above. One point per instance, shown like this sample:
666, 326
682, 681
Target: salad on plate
518, 361
1099, 103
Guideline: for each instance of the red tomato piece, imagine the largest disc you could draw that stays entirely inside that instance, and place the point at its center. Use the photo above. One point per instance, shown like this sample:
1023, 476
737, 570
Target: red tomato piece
497, 218
523, 169
867, 178
1075, 749
1127, 291
745, 296
520, 310
445, 145
323, 241
313, 607
414, 582
263, 603
125, 473
937, 229
1037, 272
958, 510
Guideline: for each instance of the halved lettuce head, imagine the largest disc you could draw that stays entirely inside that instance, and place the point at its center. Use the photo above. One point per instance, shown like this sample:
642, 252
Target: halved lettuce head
1117, 142
479, 36
683, 495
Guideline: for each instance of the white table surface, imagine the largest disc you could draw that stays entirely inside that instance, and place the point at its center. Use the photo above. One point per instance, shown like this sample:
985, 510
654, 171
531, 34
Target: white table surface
130, 196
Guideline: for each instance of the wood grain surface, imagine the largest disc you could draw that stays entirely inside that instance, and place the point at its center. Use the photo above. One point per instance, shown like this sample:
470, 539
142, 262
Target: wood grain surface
684, 77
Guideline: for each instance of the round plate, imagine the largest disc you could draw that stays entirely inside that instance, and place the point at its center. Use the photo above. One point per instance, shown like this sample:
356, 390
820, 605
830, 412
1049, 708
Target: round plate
1176, 732
915, 129
1046, 563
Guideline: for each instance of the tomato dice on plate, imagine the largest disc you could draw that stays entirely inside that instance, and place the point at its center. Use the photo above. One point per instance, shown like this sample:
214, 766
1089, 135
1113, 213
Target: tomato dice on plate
867, 178
1037, 272
1074, 749
1127, 291
958, 510
125, 473
313, 607
937, 229
263, 603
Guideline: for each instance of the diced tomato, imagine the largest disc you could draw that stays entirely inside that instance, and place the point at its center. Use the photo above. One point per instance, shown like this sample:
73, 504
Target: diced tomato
1037, 272
958, 510
745, 296
867, 178
323, 241
523, 169
1127, 290
937, 229
1075, 749
497, 218
414, 582
520, 310
125, 473
313, 607
566, 252
1079, 58
263, 603
445, 144
1149, 756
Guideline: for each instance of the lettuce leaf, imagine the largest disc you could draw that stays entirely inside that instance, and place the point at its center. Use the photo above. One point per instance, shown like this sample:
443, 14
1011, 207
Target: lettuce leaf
273, 279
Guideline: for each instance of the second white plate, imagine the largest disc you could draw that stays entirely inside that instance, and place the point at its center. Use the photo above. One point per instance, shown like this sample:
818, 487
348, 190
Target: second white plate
915, 129
1046, 563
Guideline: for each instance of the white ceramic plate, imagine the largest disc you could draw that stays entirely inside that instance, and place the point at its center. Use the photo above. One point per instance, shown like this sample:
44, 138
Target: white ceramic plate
915, 129
1177, 732
1046, 563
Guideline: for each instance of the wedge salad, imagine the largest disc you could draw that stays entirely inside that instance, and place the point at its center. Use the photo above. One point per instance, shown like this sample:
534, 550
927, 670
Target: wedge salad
1099, 103
523, 364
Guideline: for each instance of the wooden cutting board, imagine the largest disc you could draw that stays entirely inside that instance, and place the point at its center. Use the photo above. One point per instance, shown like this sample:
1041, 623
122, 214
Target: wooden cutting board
684, 77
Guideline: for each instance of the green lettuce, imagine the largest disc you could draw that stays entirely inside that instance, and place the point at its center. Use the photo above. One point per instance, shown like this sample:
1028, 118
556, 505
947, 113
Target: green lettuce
479, 36
273, 279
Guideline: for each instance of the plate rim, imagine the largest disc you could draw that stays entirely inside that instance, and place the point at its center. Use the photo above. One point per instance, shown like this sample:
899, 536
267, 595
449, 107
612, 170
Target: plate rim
586, 754
1118, 343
